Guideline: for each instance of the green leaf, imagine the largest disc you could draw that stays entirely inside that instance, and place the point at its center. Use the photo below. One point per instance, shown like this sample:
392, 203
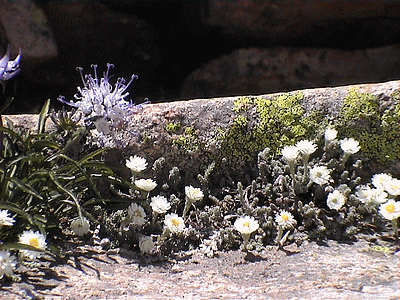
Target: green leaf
25, 187
43, 116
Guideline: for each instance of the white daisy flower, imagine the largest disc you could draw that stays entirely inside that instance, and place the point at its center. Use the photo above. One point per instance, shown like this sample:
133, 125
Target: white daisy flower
7, 264
379, 180
194, 194
290, 154
174, 223
392, 187
136, 214
160, 204
146, 244
80, 226
335, 200
146, 185
349, 146
390, 210
246, 225
285, 219
320, 175
330, 134
136, 164
34, 239
306, 148
371, 196
5, 219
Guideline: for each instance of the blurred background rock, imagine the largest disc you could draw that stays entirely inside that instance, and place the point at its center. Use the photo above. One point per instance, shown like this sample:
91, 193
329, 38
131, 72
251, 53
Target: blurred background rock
198, 49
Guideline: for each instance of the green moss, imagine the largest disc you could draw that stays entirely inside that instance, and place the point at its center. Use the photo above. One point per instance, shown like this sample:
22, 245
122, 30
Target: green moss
377, 129
188, 140
173, 127
279, 122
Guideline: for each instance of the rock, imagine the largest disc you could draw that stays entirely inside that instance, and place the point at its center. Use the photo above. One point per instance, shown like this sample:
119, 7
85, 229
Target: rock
25, 26
190, 135
344, 24
264, 70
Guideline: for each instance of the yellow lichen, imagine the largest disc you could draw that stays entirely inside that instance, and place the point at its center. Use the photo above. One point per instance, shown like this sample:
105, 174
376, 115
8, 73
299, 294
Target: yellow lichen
377, 129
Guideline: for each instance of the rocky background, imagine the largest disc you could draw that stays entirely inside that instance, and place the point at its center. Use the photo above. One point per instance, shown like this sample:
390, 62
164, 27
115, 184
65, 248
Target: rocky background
198, 49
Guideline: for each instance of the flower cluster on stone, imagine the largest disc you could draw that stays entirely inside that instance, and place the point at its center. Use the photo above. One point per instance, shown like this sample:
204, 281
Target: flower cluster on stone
34, 239
9, 68
136, 164
174, 223
5, 219
371, 196
98, 98
80, 226
7, 264
285, 219
136, 214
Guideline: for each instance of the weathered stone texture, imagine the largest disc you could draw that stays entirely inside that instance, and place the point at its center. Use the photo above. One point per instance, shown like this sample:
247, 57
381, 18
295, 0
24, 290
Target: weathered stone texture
263, 70
25, 26
193, 145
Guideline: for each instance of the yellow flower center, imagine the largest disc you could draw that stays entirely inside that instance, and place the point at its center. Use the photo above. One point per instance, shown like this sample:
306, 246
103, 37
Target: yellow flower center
285, 217
390, 208
175, 222
247, 224
34, 242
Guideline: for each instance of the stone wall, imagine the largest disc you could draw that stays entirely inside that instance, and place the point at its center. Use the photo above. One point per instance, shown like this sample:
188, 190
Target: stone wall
190, 135
177, 48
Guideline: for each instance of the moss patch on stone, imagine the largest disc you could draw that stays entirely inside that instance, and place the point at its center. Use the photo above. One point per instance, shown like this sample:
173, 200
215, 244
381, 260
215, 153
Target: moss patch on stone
374, 123
272, 123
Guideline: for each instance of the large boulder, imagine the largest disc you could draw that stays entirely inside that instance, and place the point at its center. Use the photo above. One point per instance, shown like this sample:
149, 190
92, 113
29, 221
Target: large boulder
265, 70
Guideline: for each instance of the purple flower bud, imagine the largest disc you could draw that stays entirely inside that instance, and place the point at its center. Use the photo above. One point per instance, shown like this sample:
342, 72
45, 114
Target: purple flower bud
9, 68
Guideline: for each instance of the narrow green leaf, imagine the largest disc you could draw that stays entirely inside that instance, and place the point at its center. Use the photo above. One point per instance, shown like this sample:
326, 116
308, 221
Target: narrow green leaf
43, 117
25, 187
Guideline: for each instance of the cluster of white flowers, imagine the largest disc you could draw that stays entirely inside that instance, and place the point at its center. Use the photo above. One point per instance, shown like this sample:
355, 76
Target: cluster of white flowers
371, 196
34, 239
80, 226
